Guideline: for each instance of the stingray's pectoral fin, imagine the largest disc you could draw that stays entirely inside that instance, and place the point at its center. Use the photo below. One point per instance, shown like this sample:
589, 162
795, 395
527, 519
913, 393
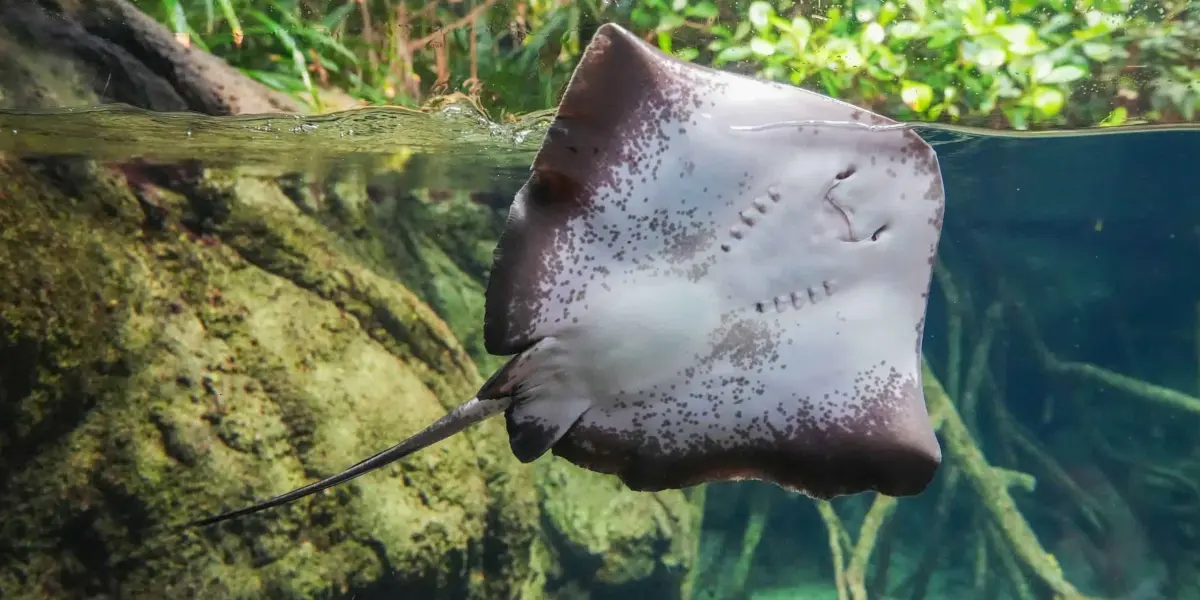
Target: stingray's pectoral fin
536, 423
546, 400
463, 416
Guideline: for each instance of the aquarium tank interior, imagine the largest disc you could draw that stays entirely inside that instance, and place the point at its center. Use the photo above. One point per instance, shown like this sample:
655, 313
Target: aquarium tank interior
247, 244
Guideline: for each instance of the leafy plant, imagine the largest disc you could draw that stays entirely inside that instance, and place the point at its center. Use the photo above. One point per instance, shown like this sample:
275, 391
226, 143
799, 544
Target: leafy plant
1016, 64
513, 57
999, 63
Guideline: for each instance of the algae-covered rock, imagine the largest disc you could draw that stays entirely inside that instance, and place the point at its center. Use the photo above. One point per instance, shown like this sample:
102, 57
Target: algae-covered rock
177, 340
167, 374
624, 544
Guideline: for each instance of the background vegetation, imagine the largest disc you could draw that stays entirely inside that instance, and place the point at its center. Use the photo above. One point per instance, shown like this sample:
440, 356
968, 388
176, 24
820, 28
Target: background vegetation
997, 63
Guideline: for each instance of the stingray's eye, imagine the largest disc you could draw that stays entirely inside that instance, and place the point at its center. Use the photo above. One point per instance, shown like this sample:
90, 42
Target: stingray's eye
878, 232
846, 173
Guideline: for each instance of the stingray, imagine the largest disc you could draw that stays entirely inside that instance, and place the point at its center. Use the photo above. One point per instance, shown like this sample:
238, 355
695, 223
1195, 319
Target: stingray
709, 277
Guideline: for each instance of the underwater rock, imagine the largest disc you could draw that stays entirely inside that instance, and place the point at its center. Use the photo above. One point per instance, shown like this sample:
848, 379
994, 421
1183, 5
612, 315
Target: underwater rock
613, 539
151, 375
175, 340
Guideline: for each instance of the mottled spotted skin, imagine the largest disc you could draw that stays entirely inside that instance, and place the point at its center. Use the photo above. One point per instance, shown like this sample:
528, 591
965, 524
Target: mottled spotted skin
792, 265
687, 302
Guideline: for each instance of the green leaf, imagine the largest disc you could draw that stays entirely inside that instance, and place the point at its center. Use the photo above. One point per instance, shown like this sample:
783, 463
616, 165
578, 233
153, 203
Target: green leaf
720, 31
1055, 23
779, 23
974, 17
288, 42
670, 22
1021, 38
1042, 66
1020, 7
916, 95
873, 33
887, 12
1018, 116
944, 36
664, 41
760, 13
334, 18
802, 29
990, 59
850, 57
688, 54
231, 16
1064, 74
178, 18
1048, 101
733, 54
743, 29
1118, 116
762, 47
904, 30
894, 64
918, 8
703, 10
1097, 51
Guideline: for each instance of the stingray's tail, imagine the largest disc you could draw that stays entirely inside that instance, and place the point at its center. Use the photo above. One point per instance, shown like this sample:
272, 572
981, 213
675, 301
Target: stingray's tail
463, 416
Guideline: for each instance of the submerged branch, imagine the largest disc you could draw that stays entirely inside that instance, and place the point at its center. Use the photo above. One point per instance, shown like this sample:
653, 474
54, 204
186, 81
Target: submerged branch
979, 367
1158, 394
760, 510
837, 533
919, 581
697, 498
1155, 393
856, 570
981, 579
992, 489
1050, 468
954, 327
1008, 562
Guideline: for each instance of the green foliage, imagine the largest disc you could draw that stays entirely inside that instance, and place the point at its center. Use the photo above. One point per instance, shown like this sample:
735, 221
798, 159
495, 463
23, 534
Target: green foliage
1002, 63
390, 51
1012, 64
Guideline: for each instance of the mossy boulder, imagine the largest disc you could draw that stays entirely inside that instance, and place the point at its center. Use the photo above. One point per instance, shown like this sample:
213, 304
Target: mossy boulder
179, 339
154, 374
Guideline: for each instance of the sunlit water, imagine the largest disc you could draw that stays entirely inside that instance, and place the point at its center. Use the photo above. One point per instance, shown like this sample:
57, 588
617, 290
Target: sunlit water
1069, 267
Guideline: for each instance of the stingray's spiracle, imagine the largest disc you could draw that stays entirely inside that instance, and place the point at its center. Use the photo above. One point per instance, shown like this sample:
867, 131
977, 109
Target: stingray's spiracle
821, 123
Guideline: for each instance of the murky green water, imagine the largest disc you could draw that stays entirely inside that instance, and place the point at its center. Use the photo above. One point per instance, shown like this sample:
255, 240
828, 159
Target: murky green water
1064, 324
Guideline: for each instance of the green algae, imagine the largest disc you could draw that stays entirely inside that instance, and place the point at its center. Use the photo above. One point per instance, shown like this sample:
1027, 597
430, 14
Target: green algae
626, 543
235, 383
